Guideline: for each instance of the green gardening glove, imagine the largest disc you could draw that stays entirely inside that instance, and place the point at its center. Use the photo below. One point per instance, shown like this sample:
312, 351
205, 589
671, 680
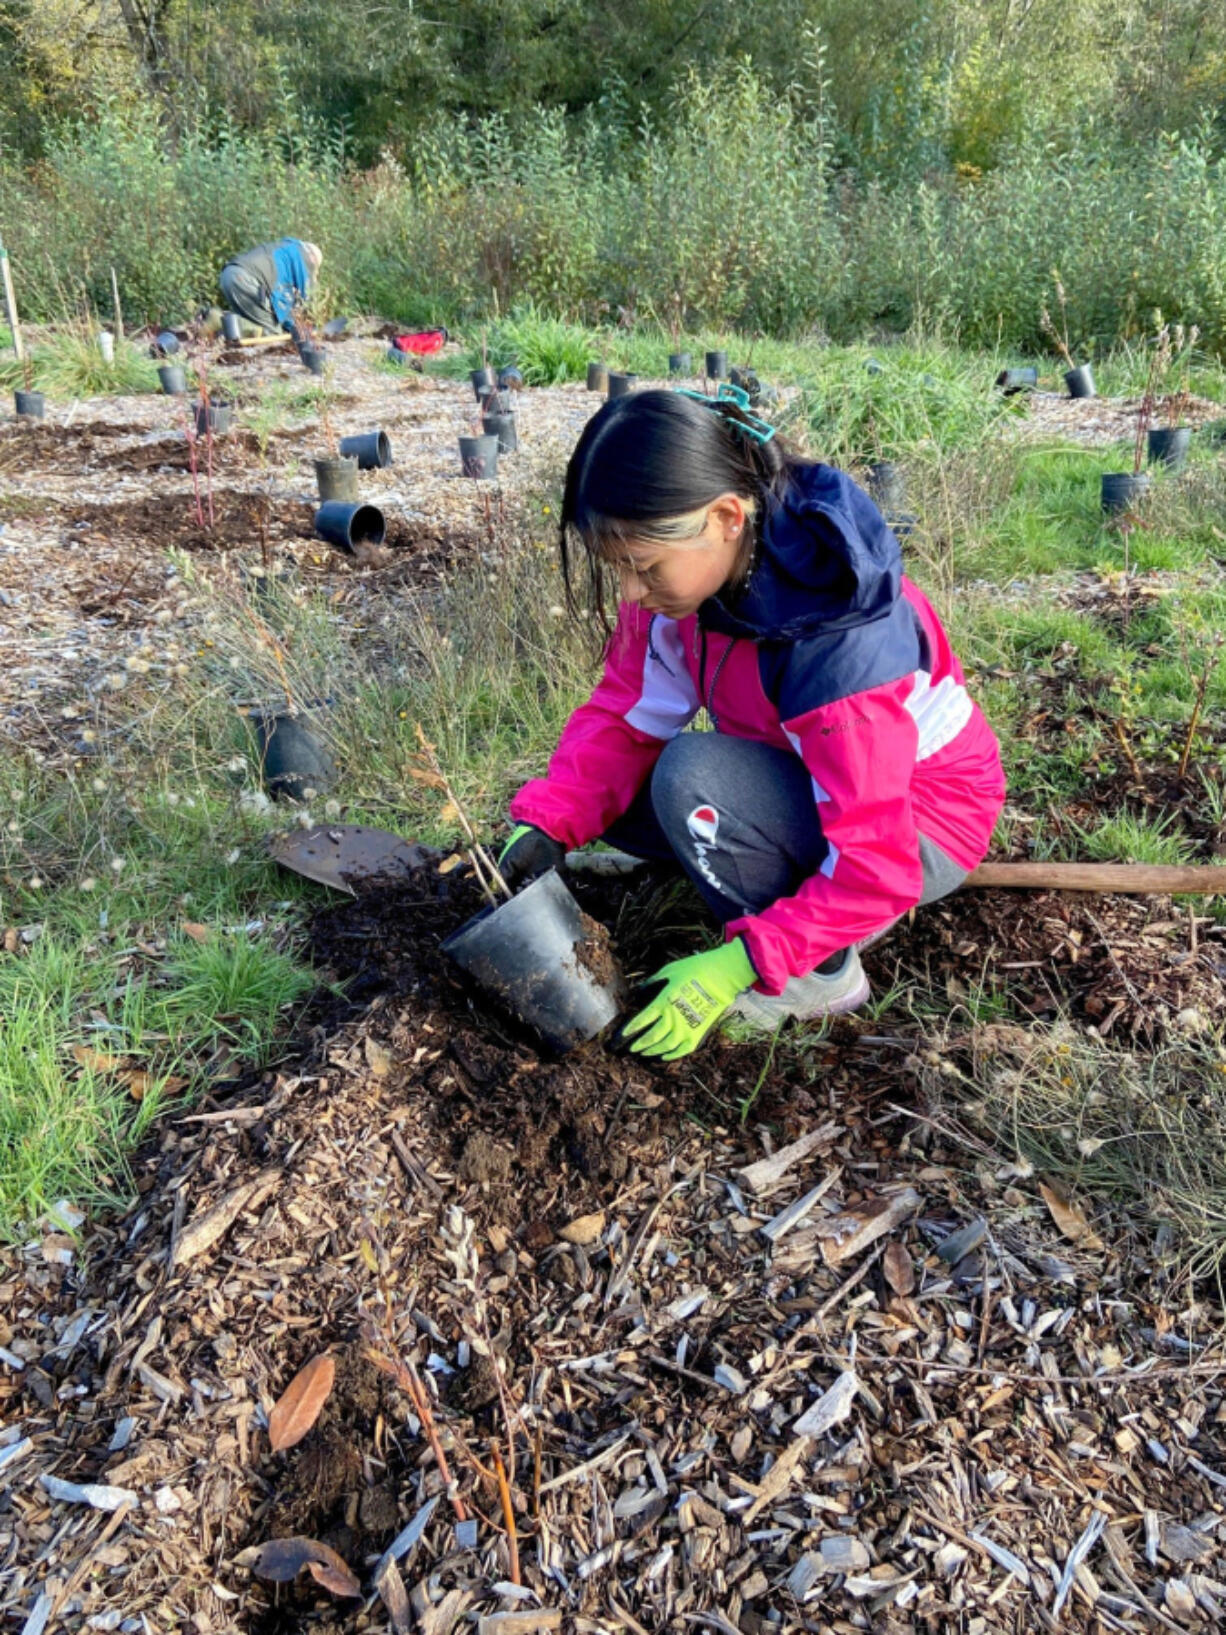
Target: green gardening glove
696, 993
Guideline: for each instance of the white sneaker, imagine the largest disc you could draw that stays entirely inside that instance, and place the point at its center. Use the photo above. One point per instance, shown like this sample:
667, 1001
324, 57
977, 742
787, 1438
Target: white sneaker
820, 993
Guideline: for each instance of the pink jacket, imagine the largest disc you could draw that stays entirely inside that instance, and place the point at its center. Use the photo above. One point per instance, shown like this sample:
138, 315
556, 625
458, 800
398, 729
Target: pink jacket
851, 670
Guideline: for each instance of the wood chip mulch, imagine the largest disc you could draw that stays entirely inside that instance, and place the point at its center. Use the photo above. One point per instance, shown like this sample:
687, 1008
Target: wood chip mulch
806, 1372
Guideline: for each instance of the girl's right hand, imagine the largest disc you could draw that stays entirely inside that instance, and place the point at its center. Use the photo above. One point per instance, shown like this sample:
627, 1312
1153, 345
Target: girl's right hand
529, 852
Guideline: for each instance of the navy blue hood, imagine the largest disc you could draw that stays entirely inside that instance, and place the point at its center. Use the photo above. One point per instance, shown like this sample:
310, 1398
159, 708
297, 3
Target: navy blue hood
826, 561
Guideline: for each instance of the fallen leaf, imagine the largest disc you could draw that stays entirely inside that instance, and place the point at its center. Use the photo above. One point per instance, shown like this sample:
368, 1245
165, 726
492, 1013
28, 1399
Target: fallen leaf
584, 1230
378, 1058
1070, 1218
335, 1577
94, 1061
450, 813
299, 1406
899, 1269
282, 1559
194, 930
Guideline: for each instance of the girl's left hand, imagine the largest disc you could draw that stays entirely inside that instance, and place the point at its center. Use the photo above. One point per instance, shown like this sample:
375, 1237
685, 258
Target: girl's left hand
695, 994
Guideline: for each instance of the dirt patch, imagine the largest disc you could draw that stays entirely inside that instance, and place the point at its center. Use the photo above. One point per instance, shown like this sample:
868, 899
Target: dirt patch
166, 521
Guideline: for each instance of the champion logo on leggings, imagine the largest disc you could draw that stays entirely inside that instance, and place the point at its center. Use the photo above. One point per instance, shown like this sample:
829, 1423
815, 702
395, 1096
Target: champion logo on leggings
703, 824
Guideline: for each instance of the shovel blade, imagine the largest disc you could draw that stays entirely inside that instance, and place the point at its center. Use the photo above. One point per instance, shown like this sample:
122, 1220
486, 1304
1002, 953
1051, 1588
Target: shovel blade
344, 854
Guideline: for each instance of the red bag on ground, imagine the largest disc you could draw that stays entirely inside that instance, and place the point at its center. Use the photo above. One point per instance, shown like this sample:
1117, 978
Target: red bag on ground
422, 342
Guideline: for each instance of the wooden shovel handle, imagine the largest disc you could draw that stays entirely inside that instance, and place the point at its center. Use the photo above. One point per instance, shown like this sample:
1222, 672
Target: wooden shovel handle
1160, 878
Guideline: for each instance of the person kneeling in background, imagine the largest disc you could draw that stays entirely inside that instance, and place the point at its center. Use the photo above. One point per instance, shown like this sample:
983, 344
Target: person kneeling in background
265, 285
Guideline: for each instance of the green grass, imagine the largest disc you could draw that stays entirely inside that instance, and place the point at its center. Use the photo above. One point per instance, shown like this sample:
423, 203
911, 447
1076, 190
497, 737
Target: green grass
71, 366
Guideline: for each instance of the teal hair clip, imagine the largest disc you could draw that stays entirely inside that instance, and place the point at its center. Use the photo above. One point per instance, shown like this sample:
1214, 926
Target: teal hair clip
752, 425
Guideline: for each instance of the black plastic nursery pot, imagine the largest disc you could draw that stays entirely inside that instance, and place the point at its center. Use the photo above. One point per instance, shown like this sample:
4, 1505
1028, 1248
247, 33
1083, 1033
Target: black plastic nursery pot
1012, 381
345, 525
597, 377
294, 763
717, 365
216, 418
747, 380
167, 343
533, 954
173, 377
680, 363
395, 355
621, 385
315, 358
887, 483
337, 476
1122, 490
1080, 381
479, 455
29, 405
510, 379
484, 381
874, 367
501, 426
232, 326
1168, 446
371, 449
497, 402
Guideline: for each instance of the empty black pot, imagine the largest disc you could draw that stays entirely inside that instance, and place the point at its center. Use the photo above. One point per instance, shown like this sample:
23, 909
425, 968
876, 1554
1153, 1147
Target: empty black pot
1080, 381
294, 764
597, 377
371, 449
29, 405
680, 363
345, 525
1122, 490
337, 477
887, 483
231, 326
315, 358
717, 365
173, 377
529, 953
747, 380
621, 385
216, 418
484, 381
167, 343
501, 426
395, 355
479, 455
1168, 446
1012, 381
510, 379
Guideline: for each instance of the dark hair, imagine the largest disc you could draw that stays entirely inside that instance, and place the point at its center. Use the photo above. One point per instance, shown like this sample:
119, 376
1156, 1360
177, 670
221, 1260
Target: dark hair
647, 458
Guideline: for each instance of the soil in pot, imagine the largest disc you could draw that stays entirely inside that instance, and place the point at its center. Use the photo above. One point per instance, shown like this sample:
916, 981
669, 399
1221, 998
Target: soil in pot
1168, 446
479, 456
501, 426
337, 477
1123, 490
546, 961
